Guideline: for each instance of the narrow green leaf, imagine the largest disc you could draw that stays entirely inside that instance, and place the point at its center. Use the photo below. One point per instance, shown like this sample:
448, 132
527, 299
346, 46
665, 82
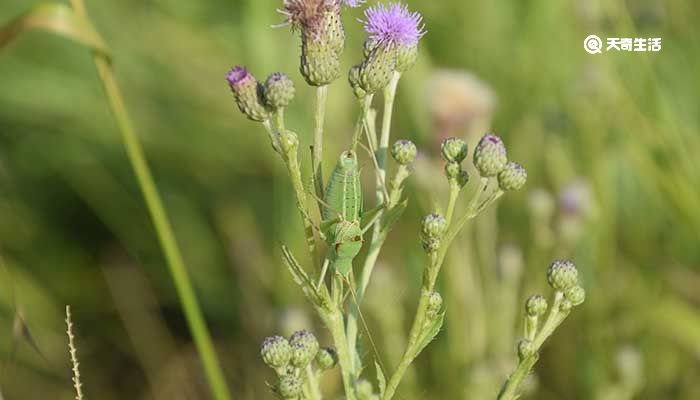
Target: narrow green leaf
381, 379
58, 19
429, 333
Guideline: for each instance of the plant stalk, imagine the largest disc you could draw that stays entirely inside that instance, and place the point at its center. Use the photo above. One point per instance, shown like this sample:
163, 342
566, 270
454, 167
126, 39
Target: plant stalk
159, 217
317, 151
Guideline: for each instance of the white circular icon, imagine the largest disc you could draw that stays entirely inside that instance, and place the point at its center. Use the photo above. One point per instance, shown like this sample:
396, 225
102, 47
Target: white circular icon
592, 44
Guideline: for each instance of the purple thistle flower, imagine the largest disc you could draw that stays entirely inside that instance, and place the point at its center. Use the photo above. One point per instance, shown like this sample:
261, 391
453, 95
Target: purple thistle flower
352, 3
393, 25
237, 77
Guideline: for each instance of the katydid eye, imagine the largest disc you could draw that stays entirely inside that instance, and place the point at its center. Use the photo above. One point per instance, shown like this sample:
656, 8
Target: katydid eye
357, 238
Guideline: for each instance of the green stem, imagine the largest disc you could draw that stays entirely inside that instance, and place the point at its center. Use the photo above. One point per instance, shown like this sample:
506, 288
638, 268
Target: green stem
314, 390
317, 152
383, 150
454, 194
554, 319
334, 321
159, 217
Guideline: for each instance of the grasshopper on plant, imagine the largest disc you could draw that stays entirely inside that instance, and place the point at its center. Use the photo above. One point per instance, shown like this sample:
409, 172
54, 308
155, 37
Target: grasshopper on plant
342, 214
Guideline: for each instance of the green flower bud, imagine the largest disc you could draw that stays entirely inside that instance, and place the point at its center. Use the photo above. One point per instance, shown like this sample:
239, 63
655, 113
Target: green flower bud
326, 358
364, 390
490, 156
406, 57
452, 170
289, 386
525, 349
354, 80
576, 295
463, 179
377, 69
404, 151
276, 352
279, 91
454, 150
304, 348
434, 305
433, 226
565, 306
289, 141
562, 275
536, 305
320, 64
248, 94
512, 177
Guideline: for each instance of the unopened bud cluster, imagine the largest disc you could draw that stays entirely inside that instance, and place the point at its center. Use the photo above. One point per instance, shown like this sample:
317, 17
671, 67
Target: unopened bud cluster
454, 151
258, 101
433, 228
290, 356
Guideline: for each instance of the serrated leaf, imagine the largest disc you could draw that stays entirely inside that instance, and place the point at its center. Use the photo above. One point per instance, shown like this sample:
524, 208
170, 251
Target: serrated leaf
58, 19
381, 379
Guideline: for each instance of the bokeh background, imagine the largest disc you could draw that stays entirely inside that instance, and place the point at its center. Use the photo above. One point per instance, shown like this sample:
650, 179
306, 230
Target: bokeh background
611, 143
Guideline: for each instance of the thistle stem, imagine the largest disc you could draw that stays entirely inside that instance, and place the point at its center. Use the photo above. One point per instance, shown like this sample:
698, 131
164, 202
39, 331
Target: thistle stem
159, 217
317, 153
314, 390
554, 319
383, 150
429, 280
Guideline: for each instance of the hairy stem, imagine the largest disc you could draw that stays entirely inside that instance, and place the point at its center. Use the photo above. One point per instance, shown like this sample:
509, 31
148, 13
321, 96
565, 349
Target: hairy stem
317, 153
314, 389
159, 217
334, 322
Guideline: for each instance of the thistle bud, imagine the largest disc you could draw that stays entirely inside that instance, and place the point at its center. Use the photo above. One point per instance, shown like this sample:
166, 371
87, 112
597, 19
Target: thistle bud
525, 349
279, 91
289, 386
562, 275
490, 156
404, 151
248, 94
304, 348
512, 177
354, 80
289, 141
326, 358
576, 295
434, 305
406, 57
452, 170
463, 179
433, 228
377, 69
565, 306
276, 352
454, 150
320, 65
536, 305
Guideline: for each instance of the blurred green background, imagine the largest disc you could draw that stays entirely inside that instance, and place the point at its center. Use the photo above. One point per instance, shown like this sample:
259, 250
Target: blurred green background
611, 143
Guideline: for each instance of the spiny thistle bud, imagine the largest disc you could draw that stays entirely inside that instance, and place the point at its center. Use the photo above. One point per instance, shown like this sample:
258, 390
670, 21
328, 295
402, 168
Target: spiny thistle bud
279, 91
525, 349
404, 151
463, 179
490, 156
364, 390
322, 36
565, 306
512, 177
248, 93
433, 228
562, 275
376, 70
276, 352
289, 386
536, 305
354, 80
326, 358
454, 150
434, 305
452, 170
576, 295
304, 347
395, 28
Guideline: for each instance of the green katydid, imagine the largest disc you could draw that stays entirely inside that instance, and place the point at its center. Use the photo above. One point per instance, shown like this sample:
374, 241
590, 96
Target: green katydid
342, 214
